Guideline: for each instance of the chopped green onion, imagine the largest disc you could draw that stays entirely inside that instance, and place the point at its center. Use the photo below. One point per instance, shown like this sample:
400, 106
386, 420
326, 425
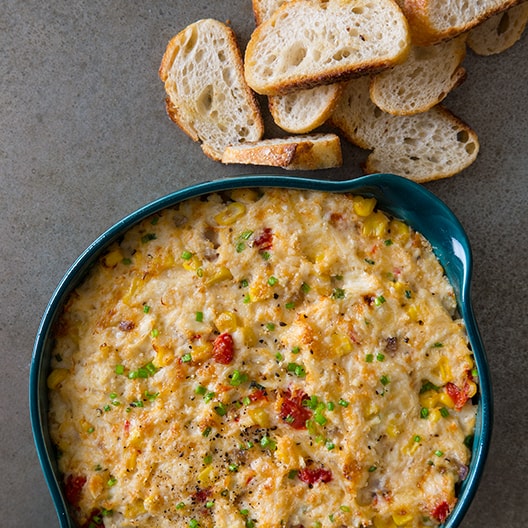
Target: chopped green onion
146, 308
267, 443
330, 406
207, 431
388, 242
384, 380
273, 280
408, 294
444, 412
198, 316
112, 481
370, 261
380, 357
209, 396
246, 234
233, 468
200, 389
119, 369
186, 358
378, 301
438, 345
221, 409
344, 508
180, 505
270, 326
330, 446
424, 412
417, 438
438, 453
148, 237
338, 293
186, 255
154, 332
371, 469
369, 358
320, 419
305, 288
289, 305
343, 403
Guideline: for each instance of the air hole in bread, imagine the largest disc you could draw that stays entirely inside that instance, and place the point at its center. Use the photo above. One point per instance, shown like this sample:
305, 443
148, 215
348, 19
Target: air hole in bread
221, 55
205, 101
463, 136
341, 54
471, 147
227, 75
190, 43
297, 55
504, 24
358, 10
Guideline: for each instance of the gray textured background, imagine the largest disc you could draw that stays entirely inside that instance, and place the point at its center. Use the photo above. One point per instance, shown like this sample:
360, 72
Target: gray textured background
84, 140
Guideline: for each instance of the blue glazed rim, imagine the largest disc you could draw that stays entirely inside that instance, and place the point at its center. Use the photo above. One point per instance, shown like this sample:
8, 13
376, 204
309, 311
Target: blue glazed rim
398, 196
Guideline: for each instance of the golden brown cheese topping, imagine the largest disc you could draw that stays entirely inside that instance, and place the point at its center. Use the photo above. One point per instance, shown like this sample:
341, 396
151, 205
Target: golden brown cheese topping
263, 358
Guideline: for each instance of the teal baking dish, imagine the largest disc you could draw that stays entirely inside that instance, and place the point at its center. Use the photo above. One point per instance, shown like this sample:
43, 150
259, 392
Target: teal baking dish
398, 196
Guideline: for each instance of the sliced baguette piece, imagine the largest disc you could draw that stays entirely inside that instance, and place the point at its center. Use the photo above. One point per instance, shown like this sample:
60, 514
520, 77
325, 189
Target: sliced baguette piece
422, 147
263, 9
432, 21
307, 43
304, 110
310, 152
207, 95
499, 32
423, 80
301, 111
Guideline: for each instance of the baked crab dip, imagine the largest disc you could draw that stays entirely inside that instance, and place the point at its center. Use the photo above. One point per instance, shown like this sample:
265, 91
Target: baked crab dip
263, 358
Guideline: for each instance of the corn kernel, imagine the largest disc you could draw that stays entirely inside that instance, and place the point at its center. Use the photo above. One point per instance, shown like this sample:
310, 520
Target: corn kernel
96, 485
202, 351
130, 463
260, 292
393, 429
412, 312
134, 286
226, 322
341, 344
444, 370
401, 519
471, 389
446, 400
112, 259
164, 355
220, 275
363, 206
380, 522
134, 509
410, 447
399, 230
230, 214
376, 224
192, 264
249, 336
370, 410
207, 476
434, 415
429, 399
56, 377
244, 195
259, 417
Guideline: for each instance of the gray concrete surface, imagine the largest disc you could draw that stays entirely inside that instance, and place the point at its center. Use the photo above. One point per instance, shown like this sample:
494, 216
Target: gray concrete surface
84, 140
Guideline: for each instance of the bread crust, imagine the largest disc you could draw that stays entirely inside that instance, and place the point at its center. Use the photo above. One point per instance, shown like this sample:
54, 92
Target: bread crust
419, 14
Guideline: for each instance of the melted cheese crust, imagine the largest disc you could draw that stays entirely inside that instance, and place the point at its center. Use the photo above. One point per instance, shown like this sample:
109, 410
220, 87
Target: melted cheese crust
338, 393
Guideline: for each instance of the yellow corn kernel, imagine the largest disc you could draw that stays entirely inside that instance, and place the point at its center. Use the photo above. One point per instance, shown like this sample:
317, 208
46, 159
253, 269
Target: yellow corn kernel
370, 410
444, 369
259, 416
412, 312
380, 522
429, 399
150, 502
244, 195
112, 259
434, 415
133, 509
411, 446
207, 476
471, 388
288, 452
164, 355
96, 485
259, 291
202, 351
134, 286
446, 400
134, 439
249, 336
56, 377
226, 322
376, 224
393, 428
341, 344
219, 275
130, 463
399, 230
192, 264
230, 214
86, 426
403, 518
363, 206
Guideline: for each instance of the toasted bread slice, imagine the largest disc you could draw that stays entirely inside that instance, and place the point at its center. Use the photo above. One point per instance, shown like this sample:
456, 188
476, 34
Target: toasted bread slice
311, 152
423, 80
307, 43
207, 95
499, 32
432, 21
422, 147
304, 110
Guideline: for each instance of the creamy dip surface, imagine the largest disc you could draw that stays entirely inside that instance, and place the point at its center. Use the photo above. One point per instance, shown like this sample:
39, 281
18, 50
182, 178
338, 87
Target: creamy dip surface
263, 358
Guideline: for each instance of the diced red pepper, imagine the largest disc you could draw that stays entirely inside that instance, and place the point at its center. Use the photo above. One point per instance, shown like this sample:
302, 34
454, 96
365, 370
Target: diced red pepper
459, 396
293, 411
223, 349
441, 511
264, 240
257, 395
74, 485
313, 475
